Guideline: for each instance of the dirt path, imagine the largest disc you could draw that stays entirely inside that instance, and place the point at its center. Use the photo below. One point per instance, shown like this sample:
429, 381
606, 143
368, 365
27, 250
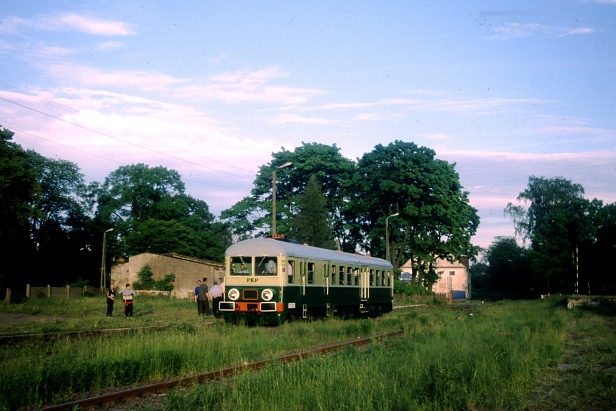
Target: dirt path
585, 378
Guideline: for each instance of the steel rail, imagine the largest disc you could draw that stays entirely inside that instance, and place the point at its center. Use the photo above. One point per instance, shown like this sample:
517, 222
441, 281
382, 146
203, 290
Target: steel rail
186, 381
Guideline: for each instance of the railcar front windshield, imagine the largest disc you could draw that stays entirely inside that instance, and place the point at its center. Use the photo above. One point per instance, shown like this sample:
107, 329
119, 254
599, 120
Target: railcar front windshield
241, 265
259, 265
266, 265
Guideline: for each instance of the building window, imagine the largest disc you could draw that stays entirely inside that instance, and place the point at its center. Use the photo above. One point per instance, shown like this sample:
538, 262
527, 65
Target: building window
452, 273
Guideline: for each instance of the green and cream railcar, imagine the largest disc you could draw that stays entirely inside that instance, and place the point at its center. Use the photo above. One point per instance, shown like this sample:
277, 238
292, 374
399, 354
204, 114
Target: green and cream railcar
269, 281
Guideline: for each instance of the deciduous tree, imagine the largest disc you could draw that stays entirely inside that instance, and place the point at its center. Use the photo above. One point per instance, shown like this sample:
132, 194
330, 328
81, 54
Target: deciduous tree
252, 215
558, 221
151, 213
435, 218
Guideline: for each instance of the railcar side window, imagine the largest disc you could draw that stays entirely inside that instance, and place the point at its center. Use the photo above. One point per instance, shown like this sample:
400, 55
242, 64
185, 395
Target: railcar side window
378, 278
372, 277
388, 279
349, 276
341, 275
291, 271
266, 265
357, 276
333, 275
310, 273
241, 265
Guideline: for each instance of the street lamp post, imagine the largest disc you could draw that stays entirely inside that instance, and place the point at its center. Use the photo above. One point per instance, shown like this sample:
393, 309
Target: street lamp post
387, 235
287, 164
103, 268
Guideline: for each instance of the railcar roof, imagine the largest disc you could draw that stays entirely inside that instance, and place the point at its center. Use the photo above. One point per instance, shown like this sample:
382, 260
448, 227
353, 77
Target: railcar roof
271, 247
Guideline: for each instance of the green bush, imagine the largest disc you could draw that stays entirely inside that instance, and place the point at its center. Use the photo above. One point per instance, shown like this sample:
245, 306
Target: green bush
400, 287
146, 282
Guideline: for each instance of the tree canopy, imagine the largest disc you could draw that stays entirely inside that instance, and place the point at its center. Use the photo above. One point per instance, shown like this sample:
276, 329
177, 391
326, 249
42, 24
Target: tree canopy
52, 224
563, 228
252, 215
151, 213
435, 219
48, 214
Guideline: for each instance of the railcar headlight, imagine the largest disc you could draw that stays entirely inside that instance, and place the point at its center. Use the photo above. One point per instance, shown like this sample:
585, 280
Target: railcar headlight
233, 294
267, 294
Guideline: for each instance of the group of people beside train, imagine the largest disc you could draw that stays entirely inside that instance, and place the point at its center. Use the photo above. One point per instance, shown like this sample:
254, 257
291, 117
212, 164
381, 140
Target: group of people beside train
204, 294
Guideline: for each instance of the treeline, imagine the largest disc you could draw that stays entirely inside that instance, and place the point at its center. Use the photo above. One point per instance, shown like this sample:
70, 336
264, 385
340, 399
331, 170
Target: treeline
566, 244
52, 223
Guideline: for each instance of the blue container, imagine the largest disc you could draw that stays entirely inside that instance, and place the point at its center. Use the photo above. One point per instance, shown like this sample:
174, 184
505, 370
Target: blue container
458, 294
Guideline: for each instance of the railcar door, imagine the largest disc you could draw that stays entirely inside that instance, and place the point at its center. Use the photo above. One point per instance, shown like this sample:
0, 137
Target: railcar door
364, 284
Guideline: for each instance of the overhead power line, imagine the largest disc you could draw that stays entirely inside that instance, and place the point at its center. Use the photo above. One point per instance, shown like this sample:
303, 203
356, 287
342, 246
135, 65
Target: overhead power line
114, 138
101, 157
71, 110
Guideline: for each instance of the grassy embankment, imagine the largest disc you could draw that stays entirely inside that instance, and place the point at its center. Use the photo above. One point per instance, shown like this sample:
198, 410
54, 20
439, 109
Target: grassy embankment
503, 356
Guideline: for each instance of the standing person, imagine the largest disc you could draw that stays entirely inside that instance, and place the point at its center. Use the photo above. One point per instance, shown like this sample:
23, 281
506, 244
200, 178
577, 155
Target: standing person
197, 290
127, 295
110, 299
203, 305
216, 293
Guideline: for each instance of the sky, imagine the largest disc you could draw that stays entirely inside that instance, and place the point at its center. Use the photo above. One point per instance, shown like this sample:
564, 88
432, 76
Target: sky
505, 90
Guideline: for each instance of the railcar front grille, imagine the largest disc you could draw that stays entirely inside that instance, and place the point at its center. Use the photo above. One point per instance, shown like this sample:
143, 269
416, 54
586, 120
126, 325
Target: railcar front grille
250, 294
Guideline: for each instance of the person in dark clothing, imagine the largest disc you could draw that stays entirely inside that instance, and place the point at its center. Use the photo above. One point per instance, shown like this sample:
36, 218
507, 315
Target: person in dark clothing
197, 290
110, 299
203, 304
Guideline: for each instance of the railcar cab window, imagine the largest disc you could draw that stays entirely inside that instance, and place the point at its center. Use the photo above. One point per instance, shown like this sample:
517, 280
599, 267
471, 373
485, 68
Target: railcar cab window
241, 265
266, 265
310, 273
291, 271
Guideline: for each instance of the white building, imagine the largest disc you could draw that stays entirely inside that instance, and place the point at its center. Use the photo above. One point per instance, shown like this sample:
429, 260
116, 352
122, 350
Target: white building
454, 277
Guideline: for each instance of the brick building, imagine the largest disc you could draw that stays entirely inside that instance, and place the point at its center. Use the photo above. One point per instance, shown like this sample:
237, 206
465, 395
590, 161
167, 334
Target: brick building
187, 271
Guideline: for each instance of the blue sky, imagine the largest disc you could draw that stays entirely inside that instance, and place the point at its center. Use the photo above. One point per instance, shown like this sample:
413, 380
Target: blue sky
211, 89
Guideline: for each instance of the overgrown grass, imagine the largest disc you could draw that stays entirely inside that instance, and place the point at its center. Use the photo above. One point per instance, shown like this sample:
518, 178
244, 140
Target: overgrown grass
88, 313
493, 356
35, 374
448, 360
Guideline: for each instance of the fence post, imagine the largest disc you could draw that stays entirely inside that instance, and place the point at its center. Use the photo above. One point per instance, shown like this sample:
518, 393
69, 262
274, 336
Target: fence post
28, 291
48, 290
68, 291
7, 299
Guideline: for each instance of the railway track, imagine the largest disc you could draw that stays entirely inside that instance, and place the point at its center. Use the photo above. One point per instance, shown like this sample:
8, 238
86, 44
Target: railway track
181, 382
